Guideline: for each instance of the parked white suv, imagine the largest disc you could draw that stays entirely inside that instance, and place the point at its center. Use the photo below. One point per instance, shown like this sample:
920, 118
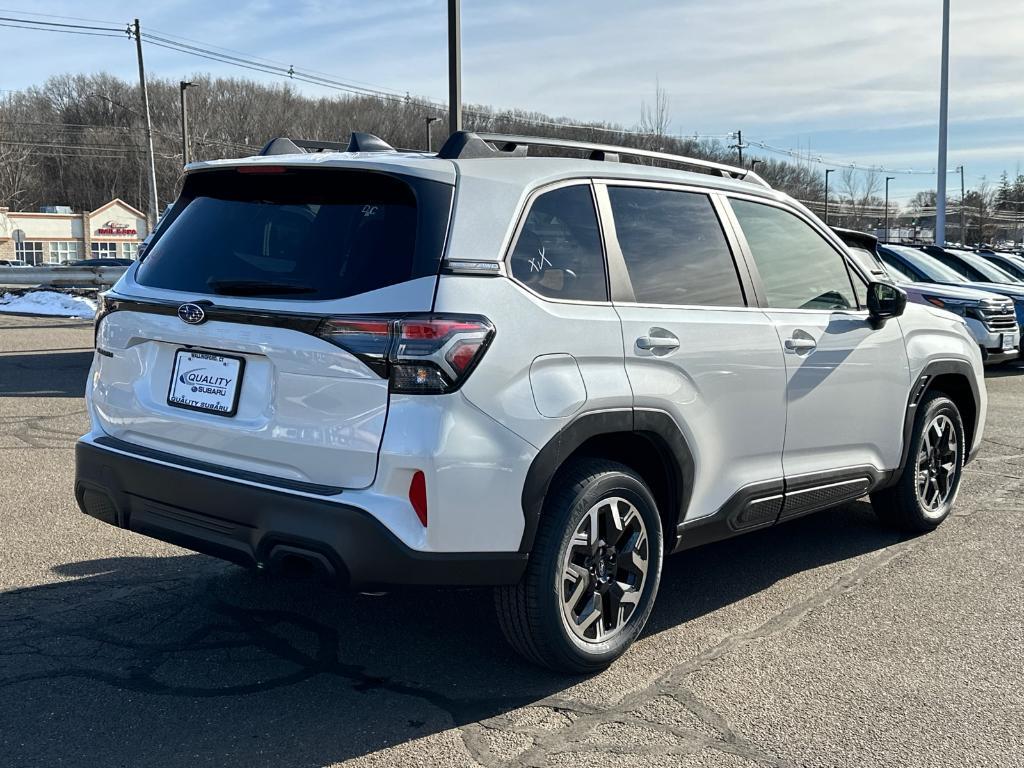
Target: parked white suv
538, 373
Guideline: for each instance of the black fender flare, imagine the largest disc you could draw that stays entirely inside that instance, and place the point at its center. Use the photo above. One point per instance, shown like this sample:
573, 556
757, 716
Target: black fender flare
656, 425
921, 387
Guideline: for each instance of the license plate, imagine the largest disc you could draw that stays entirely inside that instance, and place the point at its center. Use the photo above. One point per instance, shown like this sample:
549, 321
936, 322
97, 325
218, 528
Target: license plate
1009, 342
206, 381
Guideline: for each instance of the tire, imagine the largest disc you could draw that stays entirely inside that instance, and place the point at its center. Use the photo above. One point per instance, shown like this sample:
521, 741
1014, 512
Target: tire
548, 617
919, 503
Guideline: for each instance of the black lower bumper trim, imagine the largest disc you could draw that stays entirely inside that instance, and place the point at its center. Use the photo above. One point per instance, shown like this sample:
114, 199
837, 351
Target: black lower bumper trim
256, 526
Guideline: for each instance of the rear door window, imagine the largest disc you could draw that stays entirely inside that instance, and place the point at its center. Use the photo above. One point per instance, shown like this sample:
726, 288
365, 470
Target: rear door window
674, 248
304, 234
558, 252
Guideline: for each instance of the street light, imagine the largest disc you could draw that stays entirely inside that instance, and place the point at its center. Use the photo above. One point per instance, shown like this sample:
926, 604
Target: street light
827, 172
887, 180
940, 194
184, 86
753, 163
963, 199
427, 119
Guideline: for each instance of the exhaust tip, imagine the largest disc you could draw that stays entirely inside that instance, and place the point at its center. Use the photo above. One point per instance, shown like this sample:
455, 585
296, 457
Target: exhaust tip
289, 560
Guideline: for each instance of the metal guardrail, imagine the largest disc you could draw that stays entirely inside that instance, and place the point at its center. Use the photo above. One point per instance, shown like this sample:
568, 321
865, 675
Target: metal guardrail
61, 276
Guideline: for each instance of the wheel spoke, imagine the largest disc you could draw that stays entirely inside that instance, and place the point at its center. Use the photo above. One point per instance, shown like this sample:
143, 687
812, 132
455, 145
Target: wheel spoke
614, 522
622, 601
580, 577
591, 616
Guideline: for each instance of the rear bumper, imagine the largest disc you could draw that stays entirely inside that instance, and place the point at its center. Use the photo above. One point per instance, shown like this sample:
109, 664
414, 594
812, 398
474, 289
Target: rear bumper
259, 527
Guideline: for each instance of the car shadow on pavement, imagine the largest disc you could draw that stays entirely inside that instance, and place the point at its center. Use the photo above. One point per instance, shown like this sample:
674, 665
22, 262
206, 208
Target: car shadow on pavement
184, 660
44, 374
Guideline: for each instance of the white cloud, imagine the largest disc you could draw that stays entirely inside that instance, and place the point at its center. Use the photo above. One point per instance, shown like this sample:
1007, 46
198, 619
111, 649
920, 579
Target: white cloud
806, 68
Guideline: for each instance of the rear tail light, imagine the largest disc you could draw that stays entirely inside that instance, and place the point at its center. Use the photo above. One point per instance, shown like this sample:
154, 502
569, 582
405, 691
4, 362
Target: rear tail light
424, 354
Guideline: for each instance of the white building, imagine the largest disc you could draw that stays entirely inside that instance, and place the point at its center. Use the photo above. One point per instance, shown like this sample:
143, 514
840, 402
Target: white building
113, 230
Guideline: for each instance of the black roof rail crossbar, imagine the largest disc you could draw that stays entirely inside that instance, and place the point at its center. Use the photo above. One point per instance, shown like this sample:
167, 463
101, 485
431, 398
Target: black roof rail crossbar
360, 142
608, 152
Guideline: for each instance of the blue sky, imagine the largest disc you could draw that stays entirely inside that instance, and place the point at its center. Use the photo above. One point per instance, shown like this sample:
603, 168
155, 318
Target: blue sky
848, 81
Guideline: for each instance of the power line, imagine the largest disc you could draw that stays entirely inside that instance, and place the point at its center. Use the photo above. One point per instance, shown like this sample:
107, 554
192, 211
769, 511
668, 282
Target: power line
806, 157
268, 66
65, 31
57, 16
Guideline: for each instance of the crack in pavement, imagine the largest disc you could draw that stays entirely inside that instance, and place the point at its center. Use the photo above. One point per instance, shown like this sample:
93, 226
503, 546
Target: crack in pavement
671, 683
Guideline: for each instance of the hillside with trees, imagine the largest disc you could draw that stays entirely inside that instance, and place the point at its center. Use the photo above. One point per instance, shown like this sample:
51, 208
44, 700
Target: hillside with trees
79, 140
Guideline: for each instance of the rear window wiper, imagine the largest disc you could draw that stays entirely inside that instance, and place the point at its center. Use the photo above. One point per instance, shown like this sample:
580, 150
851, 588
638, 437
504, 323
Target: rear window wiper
257, 287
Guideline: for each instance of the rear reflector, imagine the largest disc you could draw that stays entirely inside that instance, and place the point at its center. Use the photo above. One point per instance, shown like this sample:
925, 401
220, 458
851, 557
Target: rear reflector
418, 496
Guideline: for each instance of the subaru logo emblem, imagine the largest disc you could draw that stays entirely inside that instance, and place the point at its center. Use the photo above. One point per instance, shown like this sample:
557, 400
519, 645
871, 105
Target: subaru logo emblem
192, 314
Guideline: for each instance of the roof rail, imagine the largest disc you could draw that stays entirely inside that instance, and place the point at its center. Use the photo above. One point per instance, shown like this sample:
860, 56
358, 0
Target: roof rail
360, 142
467, 144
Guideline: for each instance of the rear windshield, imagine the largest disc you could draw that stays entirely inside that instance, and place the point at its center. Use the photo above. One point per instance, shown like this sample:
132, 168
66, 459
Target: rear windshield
303, 234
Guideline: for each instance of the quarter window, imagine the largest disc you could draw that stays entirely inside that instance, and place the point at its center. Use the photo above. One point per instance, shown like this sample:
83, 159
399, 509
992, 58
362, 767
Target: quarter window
674, 247
558, 253
798, 268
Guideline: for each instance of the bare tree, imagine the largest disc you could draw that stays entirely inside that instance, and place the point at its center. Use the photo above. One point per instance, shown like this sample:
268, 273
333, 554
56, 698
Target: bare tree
655, 120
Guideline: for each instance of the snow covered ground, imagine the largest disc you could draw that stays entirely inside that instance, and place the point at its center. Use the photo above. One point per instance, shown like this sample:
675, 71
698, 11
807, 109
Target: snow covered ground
48, 303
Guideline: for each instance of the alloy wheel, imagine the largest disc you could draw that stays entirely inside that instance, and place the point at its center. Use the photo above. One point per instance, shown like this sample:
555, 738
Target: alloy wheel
604, 570
937, 465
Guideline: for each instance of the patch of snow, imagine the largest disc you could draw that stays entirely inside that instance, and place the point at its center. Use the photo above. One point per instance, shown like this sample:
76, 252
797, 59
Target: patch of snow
48, 303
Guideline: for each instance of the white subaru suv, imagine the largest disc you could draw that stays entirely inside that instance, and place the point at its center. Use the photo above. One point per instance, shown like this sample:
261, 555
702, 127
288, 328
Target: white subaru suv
480, 367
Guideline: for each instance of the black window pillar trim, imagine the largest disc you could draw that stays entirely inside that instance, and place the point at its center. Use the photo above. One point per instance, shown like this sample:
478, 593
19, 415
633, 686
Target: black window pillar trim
654, 424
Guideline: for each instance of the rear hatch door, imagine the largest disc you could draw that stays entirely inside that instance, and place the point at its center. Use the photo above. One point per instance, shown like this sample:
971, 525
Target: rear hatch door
209, 348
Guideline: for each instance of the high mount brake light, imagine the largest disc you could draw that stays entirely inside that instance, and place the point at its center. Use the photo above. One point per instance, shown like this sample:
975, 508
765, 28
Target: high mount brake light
261, 169
424, 354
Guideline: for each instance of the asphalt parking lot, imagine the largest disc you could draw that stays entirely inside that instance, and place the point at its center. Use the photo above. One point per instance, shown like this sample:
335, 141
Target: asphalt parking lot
828, 641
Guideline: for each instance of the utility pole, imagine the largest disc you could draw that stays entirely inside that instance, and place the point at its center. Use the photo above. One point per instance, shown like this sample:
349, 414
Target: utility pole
963, 200
154, 204
940, 196
184, 121
738, 146
427, 119
887, 180
454, 67
827, 172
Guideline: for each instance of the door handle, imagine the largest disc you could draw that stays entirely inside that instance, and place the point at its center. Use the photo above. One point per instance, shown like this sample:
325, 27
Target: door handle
661, 343
799, 345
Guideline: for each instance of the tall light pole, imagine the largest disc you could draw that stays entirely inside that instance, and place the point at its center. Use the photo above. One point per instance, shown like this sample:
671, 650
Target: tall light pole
753, 163
827, 172
454, 67
428, 119
888, 179
963, 200
184, 86
154, 204
940, 195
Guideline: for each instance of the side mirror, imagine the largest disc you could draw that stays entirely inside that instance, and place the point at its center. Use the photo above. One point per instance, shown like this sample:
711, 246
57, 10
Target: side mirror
885, 301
